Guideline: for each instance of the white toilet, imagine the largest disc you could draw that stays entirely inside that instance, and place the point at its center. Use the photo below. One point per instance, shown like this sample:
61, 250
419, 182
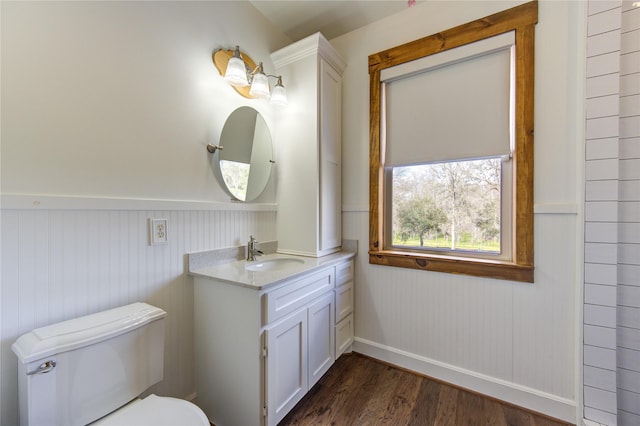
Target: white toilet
94, 368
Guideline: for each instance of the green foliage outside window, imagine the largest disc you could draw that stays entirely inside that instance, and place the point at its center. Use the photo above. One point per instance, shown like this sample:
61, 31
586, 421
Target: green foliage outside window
448, 206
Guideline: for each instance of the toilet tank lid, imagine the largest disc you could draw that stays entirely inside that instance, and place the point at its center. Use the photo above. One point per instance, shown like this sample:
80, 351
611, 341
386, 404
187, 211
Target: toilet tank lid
78, 332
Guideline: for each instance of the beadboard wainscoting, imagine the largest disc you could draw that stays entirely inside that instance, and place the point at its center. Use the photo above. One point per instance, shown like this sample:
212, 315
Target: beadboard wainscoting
513, 341
61, 264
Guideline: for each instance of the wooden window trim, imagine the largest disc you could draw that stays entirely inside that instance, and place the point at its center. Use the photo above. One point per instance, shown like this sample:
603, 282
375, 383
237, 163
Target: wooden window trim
522, 20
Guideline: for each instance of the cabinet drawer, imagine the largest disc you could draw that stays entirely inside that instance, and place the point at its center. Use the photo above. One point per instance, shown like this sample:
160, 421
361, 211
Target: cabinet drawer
344, 301
344, 335
290, 297
344, 273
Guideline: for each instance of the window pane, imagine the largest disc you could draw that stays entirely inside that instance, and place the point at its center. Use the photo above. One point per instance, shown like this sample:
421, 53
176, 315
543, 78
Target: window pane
448, 206
236, 177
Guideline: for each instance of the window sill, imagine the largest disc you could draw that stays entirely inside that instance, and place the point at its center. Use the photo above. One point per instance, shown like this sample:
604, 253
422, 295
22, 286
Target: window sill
457, 265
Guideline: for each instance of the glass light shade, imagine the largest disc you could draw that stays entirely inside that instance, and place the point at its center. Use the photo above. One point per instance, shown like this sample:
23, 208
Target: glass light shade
236, 73
259, 86
279, 95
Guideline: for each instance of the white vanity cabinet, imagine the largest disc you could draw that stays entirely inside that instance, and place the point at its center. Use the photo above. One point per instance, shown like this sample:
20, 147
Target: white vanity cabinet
259, 350
299, 339
308, 137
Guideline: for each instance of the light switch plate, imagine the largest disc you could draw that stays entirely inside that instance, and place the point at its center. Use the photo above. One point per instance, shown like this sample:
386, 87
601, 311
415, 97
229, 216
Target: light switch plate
158, 231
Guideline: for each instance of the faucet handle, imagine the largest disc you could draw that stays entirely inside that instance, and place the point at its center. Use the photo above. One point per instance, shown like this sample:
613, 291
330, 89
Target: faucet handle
252, 239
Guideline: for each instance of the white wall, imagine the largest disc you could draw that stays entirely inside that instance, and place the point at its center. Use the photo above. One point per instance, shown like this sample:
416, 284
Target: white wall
512, 340
107, 108
119, 99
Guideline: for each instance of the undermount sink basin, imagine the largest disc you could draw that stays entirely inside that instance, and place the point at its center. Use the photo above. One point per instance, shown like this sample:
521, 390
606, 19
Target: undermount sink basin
277, 264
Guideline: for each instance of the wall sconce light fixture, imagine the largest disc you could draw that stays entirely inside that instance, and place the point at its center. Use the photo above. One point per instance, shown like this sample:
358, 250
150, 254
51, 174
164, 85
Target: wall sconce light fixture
247, 78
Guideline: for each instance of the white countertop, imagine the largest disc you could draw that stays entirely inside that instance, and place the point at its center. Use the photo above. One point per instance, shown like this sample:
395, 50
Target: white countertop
235, 273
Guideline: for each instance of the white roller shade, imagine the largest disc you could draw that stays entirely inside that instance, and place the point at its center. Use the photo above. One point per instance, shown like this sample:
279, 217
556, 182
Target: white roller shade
448, 106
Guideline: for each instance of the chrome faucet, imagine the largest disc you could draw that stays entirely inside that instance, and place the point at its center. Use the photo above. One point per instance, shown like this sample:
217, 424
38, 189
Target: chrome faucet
252, 252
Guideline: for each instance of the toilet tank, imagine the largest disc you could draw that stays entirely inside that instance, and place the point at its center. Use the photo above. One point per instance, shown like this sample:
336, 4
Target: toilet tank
76, 371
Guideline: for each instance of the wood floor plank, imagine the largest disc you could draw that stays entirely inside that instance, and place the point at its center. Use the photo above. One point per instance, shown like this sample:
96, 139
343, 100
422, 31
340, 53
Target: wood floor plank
362, 395
359, 390
447, 409
470, 409
517, 417
330, 395
349, 400
424, 410
393, 400
493, 413
400, 409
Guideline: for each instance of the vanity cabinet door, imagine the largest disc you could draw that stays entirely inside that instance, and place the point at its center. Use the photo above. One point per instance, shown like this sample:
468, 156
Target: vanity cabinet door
344, 308
286, 365
344, 301
344, 335
321, 337
330, 158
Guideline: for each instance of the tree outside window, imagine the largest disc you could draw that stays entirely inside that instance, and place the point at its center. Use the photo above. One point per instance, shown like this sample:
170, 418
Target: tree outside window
448, 206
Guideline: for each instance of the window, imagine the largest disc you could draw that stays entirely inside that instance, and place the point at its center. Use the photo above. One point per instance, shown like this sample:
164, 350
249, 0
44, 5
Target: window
453, 207
451, 158
236, 177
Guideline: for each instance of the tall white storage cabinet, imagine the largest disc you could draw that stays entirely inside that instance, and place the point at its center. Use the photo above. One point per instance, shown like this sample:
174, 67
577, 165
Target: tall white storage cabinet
308, 135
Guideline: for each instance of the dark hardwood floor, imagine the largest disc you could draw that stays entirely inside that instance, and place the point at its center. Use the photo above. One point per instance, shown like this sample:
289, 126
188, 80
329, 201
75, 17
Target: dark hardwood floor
359, 390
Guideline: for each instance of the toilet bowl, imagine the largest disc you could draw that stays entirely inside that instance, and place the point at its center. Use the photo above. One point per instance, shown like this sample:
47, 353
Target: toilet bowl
94, 368
156, 411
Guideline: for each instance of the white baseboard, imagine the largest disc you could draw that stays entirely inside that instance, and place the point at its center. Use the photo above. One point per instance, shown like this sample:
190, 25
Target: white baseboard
531, 399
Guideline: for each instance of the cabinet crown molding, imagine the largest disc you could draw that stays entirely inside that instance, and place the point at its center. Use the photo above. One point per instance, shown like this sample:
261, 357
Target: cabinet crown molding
315, 44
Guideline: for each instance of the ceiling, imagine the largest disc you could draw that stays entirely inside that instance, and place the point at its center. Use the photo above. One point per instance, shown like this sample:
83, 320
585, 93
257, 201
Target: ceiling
298, 19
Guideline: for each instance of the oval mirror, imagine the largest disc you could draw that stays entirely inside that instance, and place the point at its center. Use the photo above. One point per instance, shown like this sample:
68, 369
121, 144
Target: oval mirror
246, 158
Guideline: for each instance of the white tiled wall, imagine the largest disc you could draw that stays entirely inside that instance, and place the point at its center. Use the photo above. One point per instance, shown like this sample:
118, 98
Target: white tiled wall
601, 210
628, 341
612, 215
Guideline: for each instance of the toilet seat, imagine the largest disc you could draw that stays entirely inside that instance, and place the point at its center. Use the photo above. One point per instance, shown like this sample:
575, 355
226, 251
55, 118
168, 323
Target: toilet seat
156, 411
